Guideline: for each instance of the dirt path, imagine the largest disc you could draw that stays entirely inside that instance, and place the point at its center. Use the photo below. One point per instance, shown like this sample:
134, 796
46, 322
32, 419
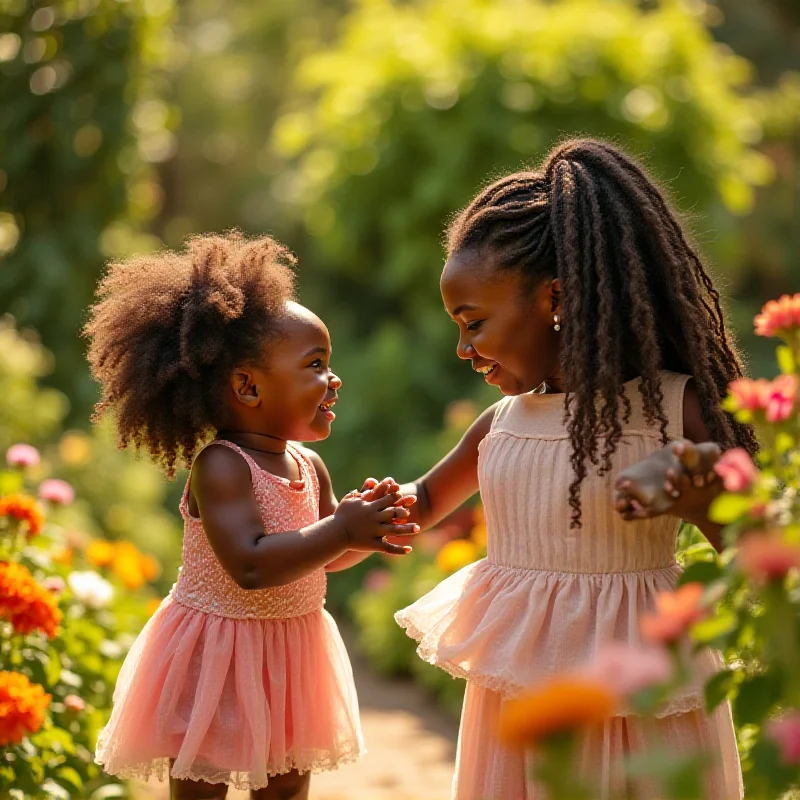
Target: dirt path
411, 748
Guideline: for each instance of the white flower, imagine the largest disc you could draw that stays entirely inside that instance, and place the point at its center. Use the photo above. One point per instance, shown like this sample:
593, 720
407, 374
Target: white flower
91, 589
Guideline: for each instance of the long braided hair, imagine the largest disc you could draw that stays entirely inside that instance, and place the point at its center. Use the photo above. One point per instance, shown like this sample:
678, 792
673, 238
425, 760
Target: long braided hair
636, 297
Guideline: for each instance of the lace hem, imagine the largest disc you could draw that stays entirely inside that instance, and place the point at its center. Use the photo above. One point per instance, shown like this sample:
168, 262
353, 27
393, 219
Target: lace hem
508, 686
159, 769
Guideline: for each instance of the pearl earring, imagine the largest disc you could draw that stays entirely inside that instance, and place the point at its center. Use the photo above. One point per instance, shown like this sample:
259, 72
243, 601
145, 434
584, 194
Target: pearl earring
556, 323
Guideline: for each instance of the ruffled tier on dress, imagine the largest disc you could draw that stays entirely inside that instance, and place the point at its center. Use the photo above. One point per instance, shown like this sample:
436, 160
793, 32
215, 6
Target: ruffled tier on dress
233, 701
507, 628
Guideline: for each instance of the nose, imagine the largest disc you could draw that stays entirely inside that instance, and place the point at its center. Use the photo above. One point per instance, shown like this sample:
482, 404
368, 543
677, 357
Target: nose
465, 350
334, 381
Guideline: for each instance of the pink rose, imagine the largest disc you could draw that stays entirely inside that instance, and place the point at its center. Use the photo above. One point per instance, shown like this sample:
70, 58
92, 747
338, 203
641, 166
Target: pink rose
22, 455
737, 470
625, 670
779, 316
749, 395
767, 556
781, 398
56, 491
785, 732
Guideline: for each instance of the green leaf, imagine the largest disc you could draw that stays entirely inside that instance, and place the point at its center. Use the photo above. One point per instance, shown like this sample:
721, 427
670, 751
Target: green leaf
53, 668
757, 697
717, 688
786, 360
710, 630
70, 779
728, 508
704, 572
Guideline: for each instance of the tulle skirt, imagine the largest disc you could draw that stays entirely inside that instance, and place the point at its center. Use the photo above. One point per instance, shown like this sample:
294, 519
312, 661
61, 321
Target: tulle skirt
231, 700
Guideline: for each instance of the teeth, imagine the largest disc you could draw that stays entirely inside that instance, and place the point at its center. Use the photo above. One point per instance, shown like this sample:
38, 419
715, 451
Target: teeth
485, 370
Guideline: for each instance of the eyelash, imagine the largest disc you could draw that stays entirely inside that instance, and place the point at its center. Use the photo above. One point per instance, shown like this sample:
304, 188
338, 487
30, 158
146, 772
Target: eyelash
473, 326
316, 363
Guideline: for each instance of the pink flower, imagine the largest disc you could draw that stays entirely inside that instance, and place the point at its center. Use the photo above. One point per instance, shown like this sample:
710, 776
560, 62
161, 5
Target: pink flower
781, 398
625, 670
779, 316
56, 491
785, 732
377, 580
767, 556
737, 470
54, 584
675, 613
749, 395
74, 704
22, 455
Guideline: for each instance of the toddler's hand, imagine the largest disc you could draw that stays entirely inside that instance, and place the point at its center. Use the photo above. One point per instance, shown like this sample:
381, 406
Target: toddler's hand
372, 490
368, 522
678, 479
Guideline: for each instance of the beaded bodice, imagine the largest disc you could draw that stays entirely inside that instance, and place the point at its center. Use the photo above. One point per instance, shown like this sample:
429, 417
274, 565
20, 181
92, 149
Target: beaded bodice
204, 584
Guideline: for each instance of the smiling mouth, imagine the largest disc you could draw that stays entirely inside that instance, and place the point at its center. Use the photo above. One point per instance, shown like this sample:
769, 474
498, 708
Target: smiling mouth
325, 408
487, 370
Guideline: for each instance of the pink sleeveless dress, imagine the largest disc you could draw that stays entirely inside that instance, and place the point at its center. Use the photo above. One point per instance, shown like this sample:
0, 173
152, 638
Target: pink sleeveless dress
546, 597
237, 686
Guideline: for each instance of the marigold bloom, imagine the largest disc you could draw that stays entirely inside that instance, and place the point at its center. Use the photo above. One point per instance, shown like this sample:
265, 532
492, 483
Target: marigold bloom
767, 556
22, 707
675, 613
149, 566
456, 554
127, 565
737, 470
24, 510
22, 455
561, 704
99, 553
56, 491
25, 604
779, 316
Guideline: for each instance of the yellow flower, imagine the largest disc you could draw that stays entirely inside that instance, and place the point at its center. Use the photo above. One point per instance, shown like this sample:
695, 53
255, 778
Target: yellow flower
75, 449
99, 553
149, 566
561, 704
455, 555
127, 565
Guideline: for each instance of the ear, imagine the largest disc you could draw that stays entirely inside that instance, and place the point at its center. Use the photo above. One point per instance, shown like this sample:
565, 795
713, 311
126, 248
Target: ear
244, 388
555, 296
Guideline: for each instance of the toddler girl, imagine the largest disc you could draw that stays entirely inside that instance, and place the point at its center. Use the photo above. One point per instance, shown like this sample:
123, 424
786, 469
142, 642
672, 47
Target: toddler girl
240, 677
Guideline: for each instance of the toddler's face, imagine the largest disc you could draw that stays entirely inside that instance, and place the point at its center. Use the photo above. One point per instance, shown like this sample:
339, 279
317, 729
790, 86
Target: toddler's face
505, 328
296, 387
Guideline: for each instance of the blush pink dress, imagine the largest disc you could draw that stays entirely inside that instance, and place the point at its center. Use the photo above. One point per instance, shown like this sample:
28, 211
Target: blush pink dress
546, 597
237, 686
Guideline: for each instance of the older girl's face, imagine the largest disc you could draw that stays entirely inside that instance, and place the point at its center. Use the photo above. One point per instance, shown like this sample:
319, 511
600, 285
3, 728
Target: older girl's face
505, 328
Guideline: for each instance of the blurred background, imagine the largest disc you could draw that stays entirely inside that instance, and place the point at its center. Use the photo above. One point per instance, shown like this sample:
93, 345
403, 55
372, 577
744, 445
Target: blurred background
352, 131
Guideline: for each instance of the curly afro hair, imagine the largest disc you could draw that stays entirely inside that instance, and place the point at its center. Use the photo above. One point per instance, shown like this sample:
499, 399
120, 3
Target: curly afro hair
168, 328
637, 298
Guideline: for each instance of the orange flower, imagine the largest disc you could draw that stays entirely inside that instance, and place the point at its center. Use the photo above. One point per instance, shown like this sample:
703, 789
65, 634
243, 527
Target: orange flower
127, 565
150, 567
99, 553
24, 510
561, 704
675, 613
456, 554
767, 556
22, 707
26, 604
778, 317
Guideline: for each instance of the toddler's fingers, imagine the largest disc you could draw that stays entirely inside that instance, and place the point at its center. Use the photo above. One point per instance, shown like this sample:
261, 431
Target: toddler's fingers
402, 529
384, 502
393, 514
369, 483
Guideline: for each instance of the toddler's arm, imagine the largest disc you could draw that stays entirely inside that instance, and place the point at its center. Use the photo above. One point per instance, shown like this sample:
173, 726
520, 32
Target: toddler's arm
221, 485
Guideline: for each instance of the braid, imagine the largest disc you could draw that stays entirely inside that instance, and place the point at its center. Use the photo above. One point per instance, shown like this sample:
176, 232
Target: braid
636, 296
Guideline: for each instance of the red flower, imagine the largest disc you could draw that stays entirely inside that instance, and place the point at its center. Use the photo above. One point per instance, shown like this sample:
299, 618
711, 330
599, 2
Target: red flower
767, 556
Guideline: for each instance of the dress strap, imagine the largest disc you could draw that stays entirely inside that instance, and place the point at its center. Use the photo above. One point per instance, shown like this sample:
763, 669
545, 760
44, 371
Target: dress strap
673, 387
